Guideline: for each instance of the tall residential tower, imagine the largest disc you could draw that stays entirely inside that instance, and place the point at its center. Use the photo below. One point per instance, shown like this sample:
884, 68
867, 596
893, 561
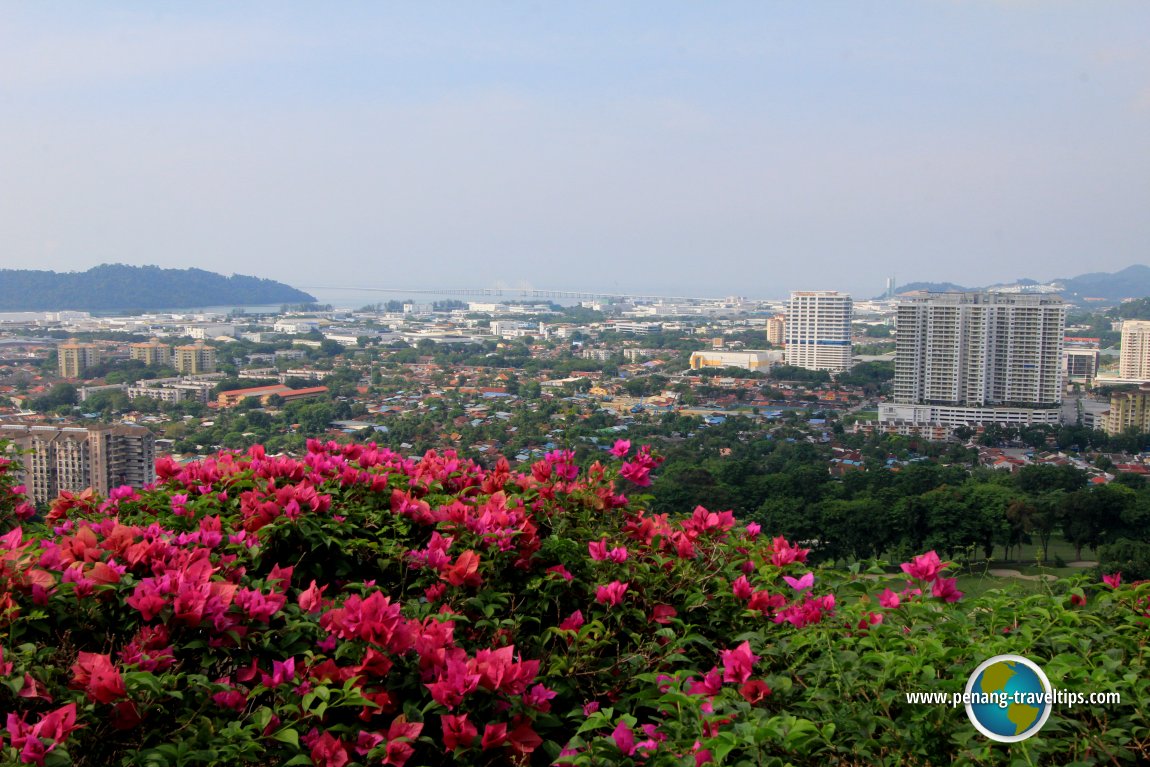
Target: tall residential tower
1134, 362
977, 358
818, 330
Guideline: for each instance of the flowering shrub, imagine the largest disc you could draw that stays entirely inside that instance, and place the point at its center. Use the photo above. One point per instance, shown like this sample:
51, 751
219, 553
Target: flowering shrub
356, 607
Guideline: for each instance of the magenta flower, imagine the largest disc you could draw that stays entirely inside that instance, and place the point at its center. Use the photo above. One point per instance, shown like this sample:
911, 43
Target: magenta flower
621, 448
889, 599
624, 738
1113, 580
800, 584
597, 550
572, 622
611, 594
741, 588
944, 589
783, 553
738, 663
561, 571
925, 567
640, 475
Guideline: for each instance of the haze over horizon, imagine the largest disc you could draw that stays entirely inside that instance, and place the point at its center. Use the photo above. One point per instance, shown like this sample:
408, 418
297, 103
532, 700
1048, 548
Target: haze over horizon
741, 148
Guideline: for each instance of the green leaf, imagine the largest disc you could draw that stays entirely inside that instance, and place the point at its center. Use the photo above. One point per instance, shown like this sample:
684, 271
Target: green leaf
287, 735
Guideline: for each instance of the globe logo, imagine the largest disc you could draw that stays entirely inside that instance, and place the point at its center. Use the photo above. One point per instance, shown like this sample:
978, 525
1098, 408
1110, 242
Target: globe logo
1008, 698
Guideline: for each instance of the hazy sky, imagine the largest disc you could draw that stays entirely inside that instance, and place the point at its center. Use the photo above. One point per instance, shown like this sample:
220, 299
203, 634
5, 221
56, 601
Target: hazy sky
683, 147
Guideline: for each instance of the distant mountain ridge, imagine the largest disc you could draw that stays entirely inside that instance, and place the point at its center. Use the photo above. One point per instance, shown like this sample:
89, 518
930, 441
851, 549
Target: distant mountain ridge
119, 287
1092, 289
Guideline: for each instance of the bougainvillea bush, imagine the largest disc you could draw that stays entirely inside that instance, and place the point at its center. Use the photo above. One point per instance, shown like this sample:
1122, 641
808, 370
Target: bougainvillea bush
357, 607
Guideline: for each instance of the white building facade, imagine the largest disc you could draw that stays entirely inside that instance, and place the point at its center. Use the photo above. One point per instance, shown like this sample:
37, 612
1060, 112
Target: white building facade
818, 330
977, 358
1134, 362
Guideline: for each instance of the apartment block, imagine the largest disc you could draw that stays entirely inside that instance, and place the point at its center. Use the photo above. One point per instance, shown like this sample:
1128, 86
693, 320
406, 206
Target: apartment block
151, 352
818, 330
76, 458
1134, 362
977, 358
194, 359
1128, 410
75, 357
776, 329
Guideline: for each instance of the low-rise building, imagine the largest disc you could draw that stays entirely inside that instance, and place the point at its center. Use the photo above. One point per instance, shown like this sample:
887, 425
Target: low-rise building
265, 394
747, 360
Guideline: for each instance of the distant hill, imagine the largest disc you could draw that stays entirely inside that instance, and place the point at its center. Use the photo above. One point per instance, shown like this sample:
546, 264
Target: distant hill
1131, 282
118, 287
1097, 289
931, 287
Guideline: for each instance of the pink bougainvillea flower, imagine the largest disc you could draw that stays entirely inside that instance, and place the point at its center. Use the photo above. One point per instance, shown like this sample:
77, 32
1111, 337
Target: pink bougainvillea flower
562, 572
465, 571
624, 738
765, 602
400, 735
925, 567
889, 599
329, 751
1078, 600
572, 622
753, 530
366, 741
494, 735
662, 614
944, 589
523, 739
637, 473
98, 678
754, 691
29, 739
311, 598
1113, 580
539, 698
611, 594
783, 553
738, 663
457, 731
800, 584
597, 550
741, 588
618, 555
621, 448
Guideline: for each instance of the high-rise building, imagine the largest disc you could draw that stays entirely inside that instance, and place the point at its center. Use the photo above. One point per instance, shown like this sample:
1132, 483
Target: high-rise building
75, 458
1134, 364
977, 358
75, 357
151, 352
194, 359
776, 329
1128, 410
818, 330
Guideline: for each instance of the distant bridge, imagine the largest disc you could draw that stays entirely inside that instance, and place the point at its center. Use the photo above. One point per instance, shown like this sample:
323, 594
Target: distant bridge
513, 293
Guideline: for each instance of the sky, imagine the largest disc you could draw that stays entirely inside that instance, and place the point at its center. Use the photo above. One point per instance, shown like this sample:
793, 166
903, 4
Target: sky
683, 148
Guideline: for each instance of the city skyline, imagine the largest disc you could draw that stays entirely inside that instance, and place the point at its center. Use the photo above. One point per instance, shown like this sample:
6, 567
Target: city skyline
666, 148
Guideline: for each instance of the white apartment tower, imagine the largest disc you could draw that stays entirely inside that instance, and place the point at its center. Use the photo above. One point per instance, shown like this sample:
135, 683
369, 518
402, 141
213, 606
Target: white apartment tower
977, 358
1134, 364
818, 330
